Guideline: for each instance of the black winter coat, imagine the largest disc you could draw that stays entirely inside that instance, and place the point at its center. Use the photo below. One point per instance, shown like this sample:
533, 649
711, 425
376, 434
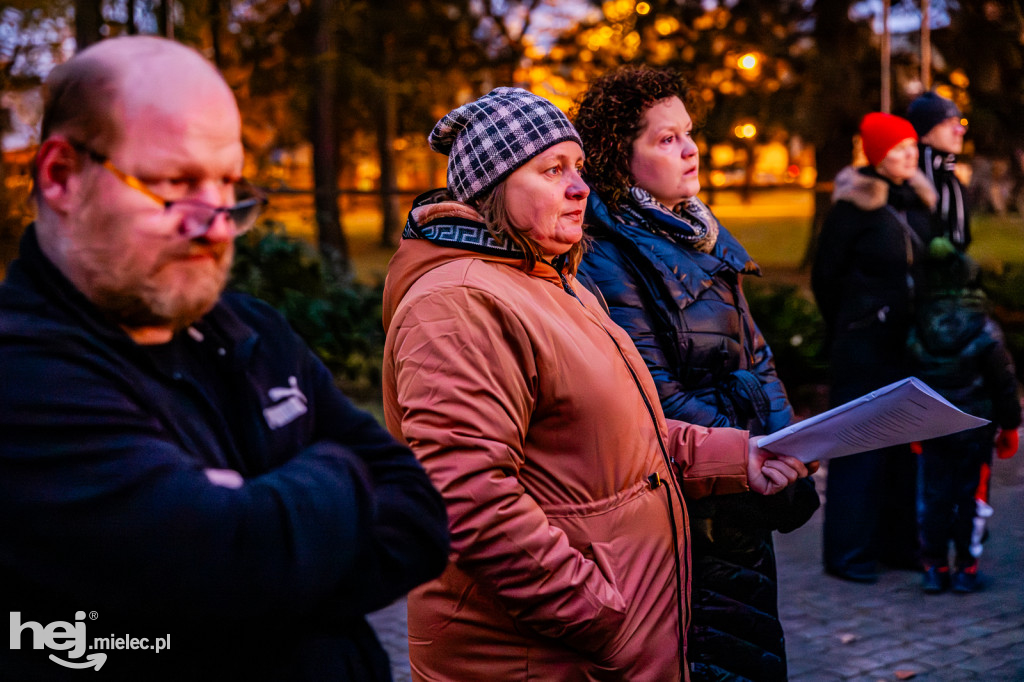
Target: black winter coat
686, 313
864, 273
107, 510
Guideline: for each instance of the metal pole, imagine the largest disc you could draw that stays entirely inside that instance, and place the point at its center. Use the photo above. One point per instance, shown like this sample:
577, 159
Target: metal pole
926, 45
886, 59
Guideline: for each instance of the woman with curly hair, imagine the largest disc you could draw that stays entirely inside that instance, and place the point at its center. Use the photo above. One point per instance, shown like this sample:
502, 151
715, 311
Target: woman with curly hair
670, 274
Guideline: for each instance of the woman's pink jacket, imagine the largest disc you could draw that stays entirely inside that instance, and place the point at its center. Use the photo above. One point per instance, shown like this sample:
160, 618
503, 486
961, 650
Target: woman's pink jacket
520, 397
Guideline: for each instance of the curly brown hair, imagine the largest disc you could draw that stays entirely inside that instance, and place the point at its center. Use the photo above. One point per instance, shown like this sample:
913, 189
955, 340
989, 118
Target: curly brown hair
609, 118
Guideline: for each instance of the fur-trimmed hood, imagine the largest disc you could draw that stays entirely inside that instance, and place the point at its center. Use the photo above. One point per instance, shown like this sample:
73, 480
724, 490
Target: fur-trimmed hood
869, 192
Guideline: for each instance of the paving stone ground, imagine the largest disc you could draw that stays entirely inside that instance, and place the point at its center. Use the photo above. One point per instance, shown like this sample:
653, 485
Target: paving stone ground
837, 630
841, 631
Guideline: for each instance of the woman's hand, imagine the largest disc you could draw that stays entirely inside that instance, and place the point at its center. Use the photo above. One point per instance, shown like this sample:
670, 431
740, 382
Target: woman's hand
769, 473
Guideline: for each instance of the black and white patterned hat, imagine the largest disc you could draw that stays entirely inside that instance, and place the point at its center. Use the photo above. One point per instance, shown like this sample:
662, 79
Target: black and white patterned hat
489, 138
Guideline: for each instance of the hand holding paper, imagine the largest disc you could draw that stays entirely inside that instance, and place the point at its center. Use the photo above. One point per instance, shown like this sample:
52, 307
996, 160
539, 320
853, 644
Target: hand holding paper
769, 473
901, 412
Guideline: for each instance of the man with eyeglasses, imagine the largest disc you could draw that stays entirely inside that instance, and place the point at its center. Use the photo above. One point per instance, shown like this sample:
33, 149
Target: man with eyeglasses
176, 467
940, 130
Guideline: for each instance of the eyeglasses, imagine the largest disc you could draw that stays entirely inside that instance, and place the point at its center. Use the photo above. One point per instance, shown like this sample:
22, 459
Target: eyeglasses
197, 216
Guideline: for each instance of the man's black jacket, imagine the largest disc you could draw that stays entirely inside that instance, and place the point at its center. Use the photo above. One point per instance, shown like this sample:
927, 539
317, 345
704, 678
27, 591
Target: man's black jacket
106, 509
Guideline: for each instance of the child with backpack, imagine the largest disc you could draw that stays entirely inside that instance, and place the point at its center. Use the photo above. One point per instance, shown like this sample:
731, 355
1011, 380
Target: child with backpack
958, 350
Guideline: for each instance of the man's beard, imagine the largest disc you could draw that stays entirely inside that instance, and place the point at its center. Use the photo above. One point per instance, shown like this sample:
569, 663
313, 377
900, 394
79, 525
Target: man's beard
146, 302
153, 307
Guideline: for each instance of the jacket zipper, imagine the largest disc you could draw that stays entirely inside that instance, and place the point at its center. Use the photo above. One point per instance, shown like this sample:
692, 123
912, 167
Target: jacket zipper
655, 482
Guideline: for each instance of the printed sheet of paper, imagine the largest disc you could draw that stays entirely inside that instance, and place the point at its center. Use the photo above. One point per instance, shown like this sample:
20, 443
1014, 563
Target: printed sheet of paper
905, 411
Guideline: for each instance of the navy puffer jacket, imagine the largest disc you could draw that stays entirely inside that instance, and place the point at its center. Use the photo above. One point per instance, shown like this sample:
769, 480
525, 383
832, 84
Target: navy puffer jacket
686, 313
688, 317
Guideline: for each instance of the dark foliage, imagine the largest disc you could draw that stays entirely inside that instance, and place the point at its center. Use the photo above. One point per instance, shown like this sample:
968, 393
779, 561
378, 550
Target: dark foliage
795, 332
1005, 288
338, 318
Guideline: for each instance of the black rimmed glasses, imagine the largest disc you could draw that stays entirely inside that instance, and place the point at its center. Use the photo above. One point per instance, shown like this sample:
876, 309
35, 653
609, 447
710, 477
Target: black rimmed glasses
197, 216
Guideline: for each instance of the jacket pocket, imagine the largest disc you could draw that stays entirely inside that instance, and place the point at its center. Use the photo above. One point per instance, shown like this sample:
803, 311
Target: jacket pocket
604, 556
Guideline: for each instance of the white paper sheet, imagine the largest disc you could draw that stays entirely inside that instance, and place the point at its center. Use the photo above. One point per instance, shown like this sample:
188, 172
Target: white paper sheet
905, 411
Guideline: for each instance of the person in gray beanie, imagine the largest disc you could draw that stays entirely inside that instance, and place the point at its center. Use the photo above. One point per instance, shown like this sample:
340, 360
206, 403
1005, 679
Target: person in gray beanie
535, 416
940, 130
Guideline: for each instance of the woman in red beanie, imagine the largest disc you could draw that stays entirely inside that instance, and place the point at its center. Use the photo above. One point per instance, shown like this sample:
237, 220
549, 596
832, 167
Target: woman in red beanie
863, 281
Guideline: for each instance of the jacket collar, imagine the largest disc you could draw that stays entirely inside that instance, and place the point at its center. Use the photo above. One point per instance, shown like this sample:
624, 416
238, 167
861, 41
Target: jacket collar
868, 191
37, 273
930, 156
727, 250
686, 277
35, 270
439, 231
439, 219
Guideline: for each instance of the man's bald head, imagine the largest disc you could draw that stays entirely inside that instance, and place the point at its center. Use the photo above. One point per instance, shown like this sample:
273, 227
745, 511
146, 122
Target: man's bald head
90, 97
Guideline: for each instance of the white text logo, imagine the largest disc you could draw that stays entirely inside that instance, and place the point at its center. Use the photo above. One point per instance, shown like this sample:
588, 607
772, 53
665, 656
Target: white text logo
70, 637
59, 635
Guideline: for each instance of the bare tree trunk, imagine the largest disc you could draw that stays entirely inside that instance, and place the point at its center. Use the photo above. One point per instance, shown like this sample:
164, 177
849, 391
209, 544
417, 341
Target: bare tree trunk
926, 45
165, 19
214, 12
886, 60
131, 25
387, 131
324, 130
7, 220
837, 114
88, 20
15, 204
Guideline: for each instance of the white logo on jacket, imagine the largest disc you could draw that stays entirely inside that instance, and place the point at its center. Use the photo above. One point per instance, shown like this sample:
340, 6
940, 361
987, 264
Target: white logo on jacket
289, 405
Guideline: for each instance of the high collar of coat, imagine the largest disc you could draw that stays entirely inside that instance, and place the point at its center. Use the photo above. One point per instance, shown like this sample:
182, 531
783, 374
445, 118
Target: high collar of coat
442, 210
727, 250
447, 231
870, 192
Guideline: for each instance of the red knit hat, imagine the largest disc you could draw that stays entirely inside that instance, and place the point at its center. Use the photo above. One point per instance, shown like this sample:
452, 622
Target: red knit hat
881, 132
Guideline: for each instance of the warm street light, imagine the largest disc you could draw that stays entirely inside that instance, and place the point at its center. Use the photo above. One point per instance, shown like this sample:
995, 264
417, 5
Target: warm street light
642, 8
749, 65
745, 131
666, 25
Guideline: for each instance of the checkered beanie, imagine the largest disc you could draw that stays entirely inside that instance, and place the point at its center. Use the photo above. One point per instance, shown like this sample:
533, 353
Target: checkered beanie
489, 138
